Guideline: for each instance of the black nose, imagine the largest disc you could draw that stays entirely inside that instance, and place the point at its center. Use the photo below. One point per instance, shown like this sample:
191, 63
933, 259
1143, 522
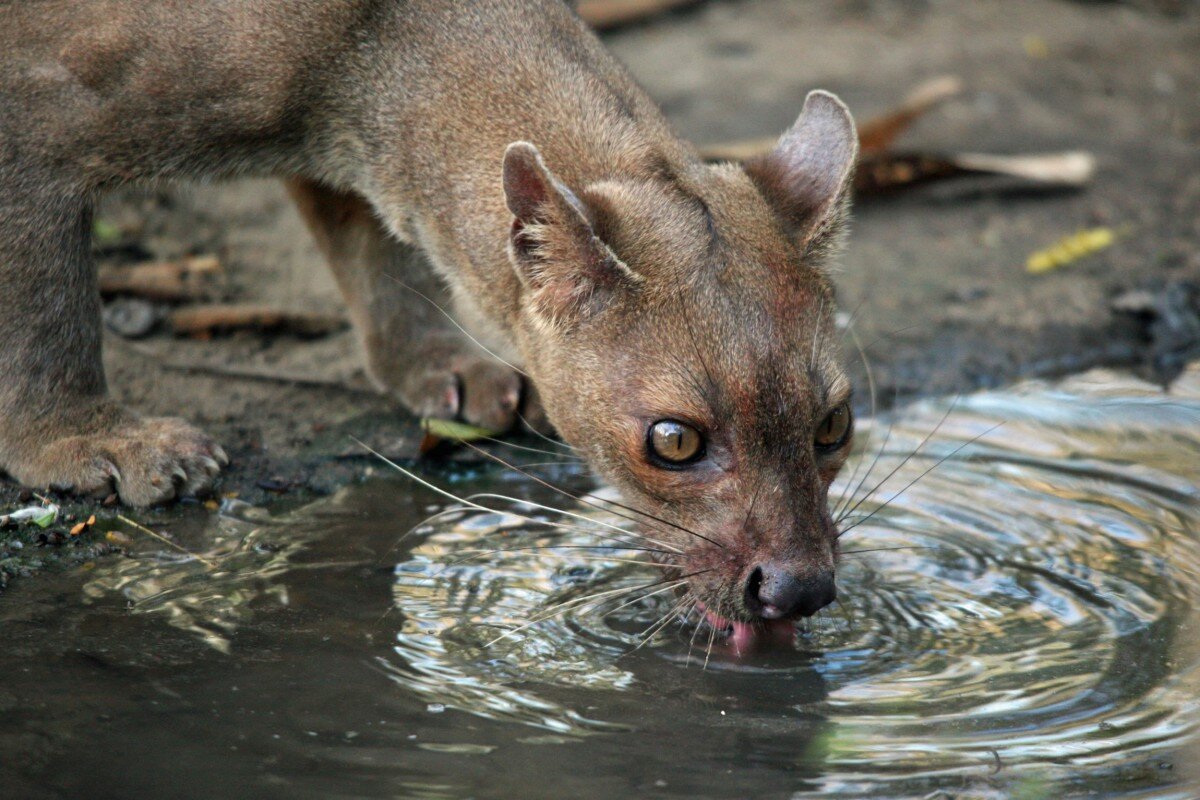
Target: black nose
774, 592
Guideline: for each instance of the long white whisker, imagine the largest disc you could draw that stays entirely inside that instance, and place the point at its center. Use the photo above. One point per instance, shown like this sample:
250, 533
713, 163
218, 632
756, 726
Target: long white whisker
578, 602
526, 448
871, 388
653, 630
573, 515
544, 437
475, 554
712, 637
911, 483
904, 461
454, 322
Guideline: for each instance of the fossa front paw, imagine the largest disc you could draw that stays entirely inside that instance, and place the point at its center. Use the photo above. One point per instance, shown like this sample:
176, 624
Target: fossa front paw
145, 461
479, 391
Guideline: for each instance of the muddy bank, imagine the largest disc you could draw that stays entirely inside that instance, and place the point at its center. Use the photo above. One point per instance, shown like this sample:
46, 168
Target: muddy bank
935, 279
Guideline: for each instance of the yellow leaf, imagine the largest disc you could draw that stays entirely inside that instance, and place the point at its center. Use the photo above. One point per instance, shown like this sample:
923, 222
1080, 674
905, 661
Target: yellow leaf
1069, 249
455, 431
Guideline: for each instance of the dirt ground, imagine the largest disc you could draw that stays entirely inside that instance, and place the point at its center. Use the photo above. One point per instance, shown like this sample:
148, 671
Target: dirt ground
935, 277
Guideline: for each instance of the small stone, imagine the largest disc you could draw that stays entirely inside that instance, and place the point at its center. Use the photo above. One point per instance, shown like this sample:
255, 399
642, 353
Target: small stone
131, 318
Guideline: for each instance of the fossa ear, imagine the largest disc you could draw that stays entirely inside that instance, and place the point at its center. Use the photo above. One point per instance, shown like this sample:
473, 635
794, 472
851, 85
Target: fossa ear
567, 271
808, 176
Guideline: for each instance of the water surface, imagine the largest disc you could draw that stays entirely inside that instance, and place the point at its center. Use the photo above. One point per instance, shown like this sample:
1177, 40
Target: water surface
1017, 622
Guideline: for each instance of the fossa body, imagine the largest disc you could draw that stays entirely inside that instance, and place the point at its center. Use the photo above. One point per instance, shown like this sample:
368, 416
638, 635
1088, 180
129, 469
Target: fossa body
670, 317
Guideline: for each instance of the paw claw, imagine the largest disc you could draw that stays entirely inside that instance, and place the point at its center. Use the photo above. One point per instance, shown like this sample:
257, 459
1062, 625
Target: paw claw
145, 461
222, 457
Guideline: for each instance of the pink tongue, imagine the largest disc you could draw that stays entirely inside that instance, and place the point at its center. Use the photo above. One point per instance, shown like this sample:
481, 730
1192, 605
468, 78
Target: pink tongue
744, 636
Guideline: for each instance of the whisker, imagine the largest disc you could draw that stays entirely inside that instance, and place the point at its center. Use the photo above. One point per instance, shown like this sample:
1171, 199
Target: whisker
845, 612
816, 332
889, 549
910, 484
653, 630
753, 499
695, 632
454, 322
648, 515
635, 600
712, 637
583, 602
573, 515
862, 353
892, 333
906, 459
476, 554
540, 435
585, 501
649, 633
542, 464
479, 507
852, 317
528, 449
468, 504
843, 507
699, 354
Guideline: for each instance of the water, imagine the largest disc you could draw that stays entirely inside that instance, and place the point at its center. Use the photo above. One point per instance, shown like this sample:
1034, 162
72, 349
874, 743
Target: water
1017, 623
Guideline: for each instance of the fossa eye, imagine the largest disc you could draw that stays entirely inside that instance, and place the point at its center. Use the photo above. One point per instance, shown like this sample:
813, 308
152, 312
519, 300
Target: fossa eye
835, 429
674, 443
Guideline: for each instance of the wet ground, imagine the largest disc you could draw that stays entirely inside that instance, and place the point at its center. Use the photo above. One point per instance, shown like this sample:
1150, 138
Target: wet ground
1018, 622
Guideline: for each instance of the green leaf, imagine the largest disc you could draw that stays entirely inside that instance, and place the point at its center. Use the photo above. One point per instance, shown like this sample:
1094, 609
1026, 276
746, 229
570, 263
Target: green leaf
46, 519
455, 431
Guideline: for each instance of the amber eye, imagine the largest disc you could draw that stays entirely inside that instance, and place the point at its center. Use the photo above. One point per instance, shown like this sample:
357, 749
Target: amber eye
833, 432
675, 443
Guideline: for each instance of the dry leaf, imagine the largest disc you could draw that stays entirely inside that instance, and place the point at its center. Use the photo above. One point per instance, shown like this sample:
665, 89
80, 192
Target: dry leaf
445, 430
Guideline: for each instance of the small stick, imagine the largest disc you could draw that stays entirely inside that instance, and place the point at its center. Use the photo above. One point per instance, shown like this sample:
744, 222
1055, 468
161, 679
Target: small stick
605, 14
205, 320
143, 529
190, 278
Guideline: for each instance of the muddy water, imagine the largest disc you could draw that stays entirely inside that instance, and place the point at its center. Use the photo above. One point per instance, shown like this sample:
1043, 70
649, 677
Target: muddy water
1016, 623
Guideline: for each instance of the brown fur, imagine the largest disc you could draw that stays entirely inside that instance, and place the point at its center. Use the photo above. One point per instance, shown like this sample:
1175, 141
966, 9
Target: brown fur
631, 281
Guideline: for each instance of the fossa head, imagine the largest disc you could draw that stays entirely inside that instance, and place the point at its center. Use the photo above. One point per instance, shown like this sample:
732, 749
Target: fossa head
680, 331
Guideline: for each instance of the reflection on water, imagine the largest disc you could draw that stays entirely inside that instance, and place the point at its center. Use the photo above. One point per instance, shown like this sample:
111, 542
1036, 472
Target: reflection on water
1017, 622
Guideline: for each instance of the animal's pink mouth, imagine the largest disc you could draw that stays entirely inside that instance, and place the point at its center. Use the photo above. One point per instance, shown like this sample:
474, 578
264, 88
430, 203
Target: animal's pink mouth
747, 636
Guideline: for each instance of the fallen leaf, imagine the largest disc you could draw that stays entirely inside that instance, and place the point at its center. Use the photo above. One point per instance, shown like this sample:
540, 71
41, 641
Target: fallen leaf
1070, 249
455, 431
440, 431
1035, 46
